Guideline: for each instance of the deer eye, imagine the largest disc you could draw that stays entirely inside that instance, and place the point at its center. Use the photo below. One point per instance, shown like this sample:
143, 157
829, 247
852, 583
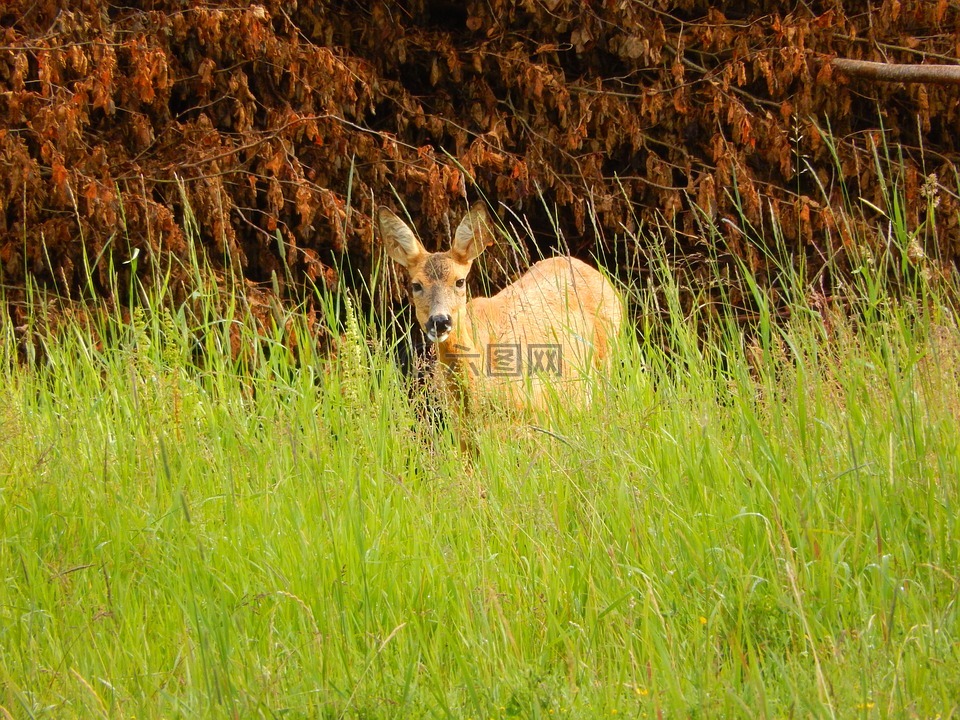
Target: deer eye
416, 287
461, 282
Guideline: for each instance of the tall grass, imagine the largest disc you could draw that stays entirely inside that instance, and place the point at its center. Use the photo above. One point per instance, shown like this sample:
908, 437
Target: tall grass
197, 522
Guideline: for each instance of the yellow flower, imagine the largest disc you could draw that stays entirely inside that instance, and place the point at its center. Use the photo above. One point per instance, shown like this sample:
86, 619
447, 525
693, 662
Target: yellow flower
703, 620
642, 691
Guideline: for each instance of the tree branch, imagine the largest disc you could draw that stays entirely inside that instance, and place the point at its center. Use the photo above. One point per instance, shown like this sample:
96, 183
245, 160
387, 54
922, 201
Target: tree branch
888, 72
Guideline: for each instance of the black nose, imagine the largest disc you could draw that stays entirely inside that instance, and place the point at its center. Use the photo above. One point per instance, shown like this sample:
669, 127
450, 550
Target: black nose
438, 325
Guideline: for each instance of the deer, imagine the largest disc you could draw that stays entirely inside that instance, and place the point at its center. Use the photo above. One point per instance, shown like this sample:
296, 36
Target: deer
541, 336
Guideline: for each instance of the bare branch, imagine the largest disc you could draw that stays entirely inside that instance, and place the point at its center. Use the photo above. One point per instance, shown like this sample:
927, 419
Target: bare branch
887, 72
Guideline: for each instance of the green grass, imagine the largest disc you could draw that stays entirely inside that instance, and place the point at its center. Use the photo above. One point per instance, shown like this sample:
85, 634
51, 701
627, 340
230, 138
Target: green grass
757, 522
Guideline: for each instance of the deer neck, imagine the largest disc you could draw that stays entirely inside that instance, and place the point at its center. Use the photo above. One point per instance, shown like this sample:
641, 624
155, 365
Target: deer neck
460, 351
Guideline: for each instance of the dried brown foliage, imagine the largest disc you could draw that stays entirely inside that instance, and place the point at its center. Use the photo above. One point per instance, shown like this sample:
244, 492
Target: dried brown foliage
297, 118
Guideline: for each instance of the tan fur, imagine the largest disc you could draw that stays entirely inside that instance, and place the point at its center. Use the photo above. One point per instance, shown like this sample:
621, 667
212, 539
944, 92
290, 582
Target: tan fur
561, 305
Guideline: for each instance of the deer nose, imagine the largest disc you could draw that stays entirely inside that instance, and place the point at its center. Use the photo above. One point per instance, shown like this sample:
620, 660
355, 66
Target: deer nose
438, 326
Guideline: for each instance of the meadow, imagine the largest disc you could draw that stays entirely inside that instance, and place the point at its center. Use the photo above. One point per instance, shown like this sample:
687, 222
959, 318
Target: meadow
752, 519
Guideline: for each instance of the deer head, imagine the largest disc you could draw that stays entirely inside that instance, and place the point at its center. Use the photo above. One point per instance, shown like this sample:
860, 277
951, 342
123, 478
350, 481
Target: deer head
438, 284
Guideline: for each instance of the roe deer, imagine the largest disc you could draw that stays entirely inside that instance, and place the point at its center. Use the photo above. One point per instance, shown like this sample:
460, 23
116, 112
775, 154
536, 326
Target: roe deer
546, 329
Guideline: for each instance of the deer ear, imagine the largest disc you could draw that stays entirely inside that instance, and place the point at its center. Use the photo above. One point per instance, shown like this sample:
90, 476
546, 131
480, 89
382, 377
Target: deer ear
474, 233
398, 239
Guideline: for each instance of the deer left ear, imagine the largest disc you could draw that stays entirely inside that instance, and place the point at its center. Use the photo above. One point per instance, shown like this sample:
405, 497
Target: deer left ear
401, 244
474, 233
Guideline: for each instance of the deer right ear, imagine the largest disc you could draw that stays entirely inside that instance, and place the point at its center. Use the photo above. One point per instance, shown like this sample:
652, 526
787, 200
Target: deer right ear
473, 234
398, 239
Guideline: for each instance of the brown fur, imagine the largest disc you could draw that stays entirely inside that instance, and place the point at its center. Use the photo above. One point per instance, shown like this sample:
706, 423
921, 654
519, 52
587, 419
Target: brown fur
561, 305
